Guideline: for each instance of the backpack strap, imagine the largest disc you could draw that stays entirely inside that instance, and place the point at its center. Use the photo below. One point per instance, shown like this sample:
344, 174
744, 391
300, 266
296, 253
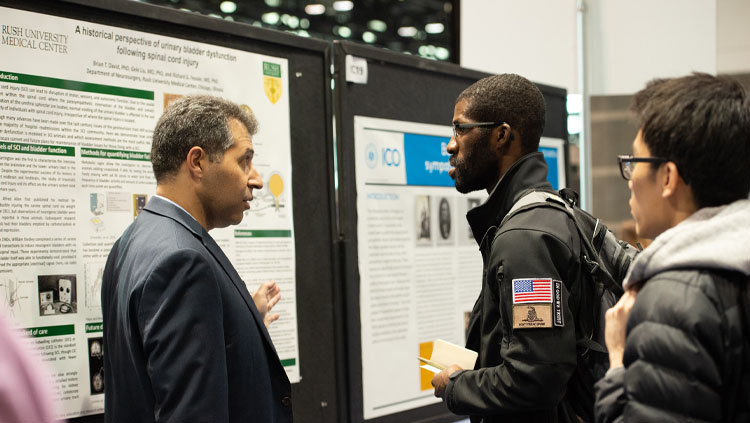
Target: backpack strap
531, 198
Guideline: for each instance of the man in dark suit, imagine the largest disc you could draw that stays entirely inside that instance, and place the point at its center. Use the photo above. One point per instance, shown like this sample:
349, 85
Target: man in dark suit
183, 339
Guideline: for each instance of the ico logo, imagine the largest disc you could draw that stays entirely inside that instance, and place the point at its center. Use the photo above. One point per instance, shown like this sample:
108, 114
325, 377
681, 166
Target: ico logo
390, 157
371, 156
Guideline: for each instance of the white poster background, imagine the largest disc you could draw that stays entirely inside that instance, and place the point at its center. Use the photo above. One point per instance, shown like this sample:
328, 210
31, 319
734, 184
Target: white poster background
61, 214
413, 288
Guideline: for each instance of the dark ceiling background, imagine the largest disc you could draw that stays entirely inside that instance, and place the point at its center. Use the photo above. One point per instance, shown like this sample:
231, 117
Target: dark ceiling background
426, 28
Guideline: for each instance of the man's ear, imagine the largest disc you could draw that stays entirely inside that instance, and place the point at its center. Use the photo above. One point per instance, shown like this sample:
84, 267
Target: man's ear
670, 179
196, 162
503, 135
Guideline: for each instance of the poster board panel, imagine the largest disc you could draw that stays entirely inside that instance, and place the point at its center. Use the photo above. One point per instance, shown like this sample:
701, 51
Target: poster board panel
408, 278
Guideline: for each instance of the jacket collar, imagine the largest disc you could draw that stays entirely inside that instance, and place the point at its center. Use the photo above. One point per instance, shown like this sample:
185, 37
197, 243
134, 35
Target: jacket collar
528, 172
166, 208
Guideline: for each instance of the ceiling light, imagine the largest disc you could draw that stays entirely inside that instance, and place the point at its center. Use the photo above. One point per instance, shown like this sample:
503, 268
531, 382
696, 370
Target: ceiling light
228, 6
293, 22
407, 31
377, 25
426, 51
442, 53
343, 31
315, 9
271, 18
434, 28
273, 3
369, 37
343, 6
304, 23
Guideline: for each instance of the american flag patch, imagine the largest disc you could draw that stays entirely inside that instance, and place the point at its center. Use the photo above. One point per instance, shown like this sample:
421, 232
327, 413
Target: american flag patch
532, 291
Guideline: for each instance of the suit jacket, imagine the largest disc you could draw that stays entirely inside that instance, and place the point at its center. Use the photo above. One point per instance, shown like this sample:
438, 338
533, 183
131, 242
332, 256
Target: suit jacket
183, 340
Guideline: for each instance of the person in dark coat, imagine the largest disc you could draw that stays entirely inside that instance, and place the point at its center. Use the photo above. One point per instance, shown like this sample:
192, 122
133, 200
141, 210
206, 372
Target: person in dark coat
184, 341
525, 357
678, 340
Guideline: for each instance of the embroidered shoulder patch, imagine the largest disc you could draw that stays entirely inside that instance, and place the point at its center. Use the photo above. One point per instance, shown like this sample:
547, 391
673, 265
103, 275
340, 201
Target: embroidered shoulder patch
558, 295
530, 316
532, 291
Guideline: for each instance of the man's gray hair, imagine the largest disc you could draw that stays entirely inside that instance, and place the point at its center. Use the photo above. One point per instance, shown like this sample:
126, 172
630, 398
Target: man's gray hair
196, 120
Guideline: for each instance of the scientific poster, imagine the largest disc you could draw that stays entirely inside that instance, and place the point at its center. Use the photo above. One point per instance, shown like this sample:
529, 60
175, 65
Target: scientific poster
78, 104
419, 264
420, 268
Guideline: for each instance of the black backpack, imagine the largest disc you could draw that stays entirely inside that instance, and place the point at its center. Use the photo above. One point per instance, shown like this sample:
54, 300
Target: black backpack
605, 262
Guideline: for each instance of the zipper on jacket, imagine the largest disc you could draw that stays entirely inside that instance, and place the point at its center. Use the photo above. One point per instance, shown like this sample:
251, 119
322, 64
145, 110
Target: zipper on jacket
500, 279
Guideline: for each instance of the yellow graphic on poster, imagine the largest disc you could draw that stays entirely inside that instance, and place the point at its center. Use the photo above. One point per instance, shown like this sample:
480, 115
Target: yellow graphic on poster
425, 376
276, 185
272, 81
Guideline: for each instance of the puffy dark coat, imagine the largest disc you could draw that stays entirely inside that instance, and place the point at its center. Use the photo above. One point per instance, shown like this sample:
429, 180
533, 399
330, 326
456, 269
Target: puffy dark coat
684, 358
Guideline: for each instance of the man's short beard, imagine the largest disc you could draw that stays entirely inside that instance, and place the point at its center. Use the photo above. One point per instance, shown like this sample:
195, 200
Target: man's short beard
478, 168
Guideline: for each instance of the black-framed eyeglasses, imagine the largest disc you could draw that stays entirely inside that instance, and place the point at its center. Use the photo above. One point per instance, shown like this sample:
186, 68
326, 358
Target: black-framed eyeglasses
460, 129
627, 163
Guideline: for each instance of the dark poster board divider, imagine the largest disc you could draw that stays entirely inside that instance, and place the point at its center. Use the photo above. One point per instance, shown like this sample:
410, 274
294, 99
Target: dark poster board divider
320, 396
405, 88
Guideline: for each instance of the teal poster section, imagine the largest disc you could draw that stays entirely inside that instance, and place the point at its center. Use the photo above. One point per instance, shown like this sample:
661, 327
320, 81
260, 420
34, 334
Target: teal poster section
427, 161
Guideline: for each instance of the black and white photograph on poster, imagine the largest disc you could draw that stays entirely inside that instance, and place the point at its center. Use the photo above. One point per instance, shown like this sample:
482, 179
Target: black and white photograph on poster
96, 365
445, 220
422, 223
57, 294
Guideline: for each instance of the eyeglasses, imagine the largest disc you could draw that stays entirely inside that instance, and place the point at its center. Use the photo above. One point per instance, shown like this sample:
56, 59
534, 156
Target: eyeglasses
627, 164
460, 129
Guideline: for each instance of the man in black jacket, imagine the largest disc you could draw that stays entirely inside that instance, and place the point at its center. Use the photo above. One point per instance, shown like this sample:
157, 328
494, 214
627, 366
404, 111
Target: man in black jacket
686, 355
526, 358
